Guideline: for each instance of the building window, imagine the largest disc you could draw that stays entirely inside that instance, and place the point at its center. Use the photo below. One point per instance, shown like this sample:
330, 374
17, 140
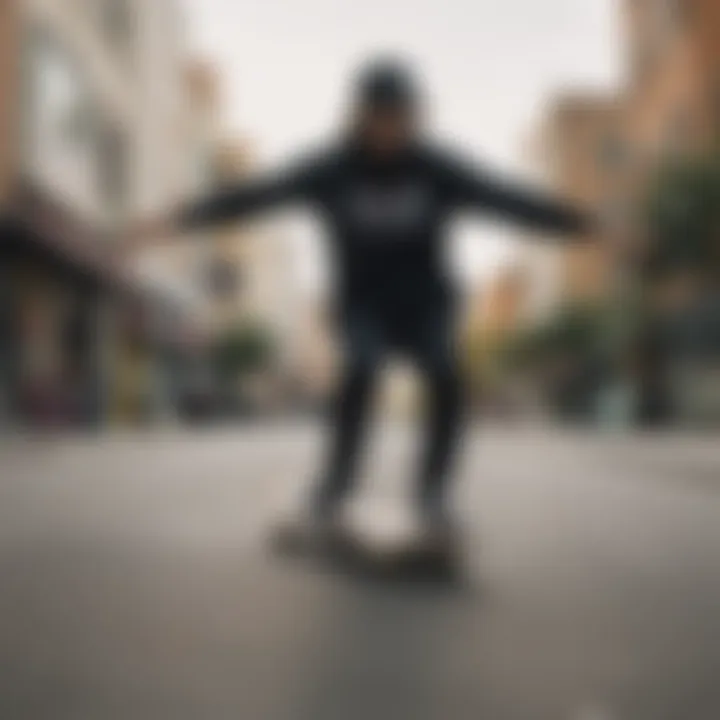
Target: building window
660, 23
114, 23
69, 146
56, 96
116, 20
59, 127
112, 169
612, 153
669, 19
679, 131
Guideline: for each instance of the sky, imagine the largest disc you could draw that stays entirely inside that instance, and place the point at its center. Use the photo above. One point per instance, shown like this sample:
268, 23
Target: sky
490, 67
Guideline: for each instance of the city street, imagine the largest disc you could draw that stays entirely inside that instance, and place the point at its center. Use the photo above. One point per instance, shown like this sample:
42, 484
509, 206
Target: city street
135, 583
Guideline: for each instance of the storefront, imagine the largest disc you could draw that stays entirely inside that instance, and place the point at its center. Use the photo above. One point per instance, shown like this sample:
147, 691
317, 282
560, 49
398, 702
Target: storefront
55, 292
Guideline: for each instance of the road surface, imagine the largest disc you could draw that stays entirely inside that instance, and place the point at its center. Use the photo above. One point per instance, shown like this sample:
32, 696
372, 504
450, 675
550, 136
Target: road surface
134, 584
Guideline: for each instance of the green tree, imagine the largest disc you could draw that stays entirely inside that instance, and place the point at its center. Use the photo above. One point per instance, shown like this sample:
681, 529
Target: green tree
243, 349
575, 330
683, 217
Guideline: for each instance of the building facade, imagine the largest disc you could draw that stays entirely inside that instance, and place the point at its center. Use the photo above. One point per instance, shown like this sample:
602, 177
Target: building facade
673, 111
80, 84
605, 151
178, 131
583, 155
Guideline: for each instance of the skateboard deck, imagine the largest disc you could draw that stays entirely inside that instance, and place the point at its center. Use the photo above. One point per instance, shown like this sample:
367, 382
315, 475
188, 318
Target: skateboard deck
395, 551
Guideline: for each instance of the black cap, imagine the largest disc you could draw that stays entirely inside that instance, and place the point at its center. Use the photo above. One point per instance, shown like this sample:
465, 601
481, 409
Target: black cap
387, 84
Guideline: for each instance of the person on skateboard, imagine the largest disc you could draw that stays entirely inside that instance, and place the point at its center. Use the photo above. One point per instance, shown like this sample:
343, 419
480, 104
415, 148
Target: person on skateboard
388, 195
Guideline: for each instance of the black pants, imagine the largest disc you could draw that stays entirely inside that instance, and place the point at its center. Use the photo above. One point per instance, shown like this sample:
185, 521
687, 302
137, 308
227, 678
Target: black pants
426, 338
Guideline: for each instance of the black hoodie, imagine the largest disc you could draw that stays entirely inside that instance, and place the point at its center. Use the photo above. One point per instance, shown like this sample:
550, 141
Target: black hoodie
387, 220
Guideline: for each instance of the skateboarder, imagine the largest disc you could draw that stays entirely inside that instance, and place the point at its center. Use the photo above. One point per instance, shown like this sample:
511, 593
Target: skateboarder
387, 195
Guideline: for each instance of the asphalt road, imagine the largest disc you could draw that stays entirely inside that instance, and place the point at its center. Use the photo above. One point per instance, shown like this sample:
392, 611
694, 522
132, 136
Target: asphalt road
135, 584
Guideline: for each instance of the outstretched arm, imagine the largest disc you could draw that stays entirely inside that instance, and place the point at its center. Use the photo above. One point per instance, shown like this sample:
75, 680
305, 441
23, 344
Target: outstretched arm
233, 203
238, 201
470, 187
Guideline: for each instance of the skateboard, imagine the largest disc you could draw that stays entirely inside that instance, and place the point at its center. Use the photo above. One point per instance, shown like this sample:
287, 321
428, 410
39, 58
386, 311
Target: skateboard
356, 551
